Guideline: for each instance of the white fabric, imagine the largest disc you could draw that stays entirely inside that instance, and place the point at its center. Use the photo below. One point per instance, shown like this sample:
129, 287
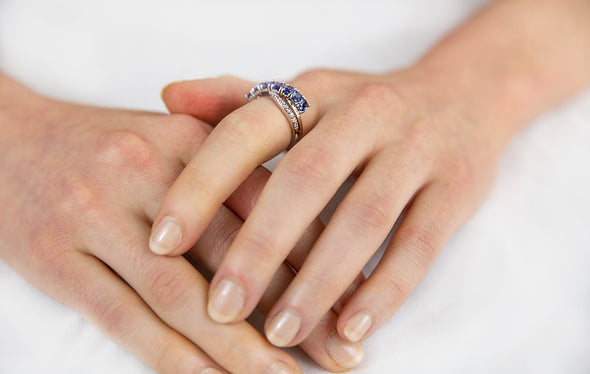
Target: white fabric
510, 292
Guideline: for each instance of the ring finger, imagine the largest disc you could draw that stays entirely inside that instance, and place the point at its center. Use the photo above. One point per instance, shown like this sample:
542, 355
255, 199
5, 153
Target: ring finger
246, 138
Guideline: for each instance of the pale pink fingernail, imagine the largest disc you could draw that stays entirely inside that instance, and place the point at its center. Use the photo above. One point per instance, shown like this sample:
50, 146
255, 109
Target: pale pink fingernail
166, 237
357, 326
226, 302
343, 352
283, 328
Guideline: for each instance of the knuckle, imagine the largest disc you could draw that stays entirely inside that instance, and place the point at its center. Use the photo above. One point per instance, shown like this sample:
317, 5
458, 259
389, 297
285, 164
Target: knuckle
374, 212
379, 96
112, 317
53, 259
127, 149
170, 360
262, 247
310, 169
244, 129
169, 290
323, 286
399, 290
316, 77
79, 196
187, 127
422, 245
464, 174
217, 240
227, 238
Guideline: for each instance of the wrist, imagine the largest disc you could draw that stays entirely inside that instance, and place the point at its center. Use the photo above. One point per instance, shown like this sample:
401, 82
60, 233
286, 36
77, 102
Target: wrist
22, 111
509, 64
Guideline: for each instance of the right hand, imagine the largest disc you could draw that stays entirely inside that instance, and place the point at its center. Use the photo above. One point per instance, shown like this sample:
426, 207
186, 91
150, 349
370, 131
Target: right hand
79, 187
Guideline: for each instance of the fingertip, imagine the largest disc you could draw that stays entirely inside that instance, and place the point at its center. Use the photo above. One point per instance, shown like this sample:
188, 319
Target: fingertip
356, 327
166, 236
226, 301
345, 353
283, 328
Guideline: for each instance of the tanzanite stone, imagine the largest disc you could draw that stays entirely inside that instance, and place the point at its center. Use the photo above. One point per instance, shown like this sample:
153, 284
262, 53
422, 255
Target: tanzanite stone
288, 90
303, 106
264, 86
277, 86
296, 97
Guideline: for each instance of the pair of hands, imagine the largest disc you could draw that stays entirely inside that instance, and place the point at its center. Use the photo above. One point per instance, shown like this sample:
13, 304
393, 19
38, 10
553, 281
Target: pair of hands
81, 187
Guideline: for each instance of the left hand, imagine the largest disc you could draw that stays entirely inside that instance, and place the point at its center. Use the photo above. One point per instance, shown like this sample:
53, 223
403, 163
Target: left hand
413, 143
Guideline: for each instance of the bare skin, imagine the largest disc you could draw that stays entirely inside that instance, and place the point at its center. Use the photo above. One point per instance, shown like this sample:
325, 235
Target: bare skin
424, 140
79, 187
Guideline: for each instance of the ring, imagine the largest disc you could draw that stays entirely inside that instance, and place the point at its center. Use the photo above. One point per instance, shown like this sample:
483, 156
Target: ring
287, 98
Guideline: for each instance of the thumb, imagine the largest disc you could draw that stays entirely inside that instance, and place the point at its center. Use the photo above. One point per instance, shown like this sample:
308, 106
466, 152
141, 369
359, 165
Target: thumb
209, 99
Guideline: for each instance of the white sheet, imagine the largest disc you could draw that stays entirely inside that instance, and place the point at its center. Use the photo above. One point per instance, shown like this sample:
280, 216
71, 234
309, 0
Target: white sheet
511, 291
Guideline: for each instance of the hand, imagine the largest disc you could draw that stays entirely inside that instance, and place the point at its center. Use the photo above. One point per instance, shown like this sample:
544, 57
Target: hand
411, 146
424, 141
79, 187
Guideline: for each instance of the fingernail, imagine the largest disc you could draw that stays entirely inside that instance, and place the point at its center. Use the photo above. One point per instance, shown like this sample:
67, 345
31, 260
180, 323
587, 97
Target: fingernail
166, 237
211, 371
226, 302
357, 326
343, 352
283, 328
278, 368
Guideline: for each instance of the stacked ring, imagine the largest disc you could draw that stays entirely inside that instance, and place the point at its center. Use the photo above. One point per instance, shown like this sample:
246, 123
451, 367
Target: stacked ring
288, 98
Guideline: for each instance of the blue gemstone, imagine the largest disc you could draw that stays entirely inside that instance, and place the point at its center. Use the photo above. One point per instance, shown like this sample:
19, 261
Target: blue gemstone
255, 90
288, 90
304, 106
264, 86
297, 98
277, 86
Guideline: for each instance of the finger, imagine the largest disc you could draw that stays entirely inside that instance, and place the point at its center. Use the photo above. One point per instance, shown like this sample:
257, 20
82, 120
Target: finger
209, 100
356, 230
325, 347
430, 221
103, 299
242, 202
177, 293
301, 185
244, 139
